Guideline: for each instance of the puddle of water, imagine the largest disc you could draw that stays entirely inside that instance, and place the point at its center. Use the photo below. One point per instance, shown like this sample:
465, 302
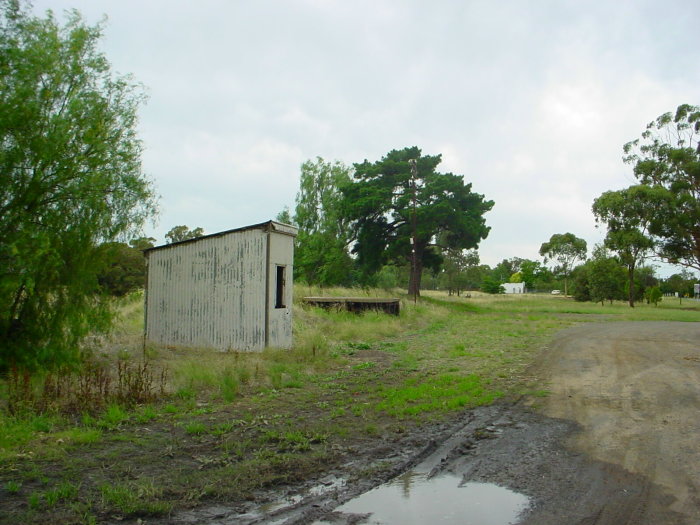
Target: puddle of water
413, 499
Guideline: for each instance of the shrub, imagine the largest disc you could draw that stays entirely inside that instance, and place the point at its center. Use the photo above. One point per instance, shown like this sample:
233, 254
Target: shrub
492, 286
653, 295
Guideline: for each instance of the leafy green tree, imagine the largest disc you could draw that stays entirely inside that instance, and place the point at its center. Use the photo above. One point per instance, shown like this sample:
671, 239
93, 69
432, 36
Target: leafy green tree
580, 282
324, 234
492, 286
647, 277
142, 243
402, 193
628, 214
533, 274
71, 179
653, 295
601, 278
124, 269
456, 264
667, 158
285, 216
507, 267
606, 276
474, 276
565, 249
124, 266
679, 283
182, 233
388, 277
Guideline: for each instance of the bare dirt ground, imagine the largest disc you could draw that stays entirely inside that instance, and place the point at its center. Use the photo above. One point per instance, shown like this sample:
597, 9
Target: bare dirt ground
634, 389
615, 442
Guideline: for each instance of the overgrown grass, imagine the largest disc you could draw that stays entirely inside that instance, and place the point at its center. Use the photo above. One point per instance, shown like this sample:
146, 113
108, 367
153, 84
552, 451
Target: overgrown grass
142, 498
445, 392
16, 431
226, 424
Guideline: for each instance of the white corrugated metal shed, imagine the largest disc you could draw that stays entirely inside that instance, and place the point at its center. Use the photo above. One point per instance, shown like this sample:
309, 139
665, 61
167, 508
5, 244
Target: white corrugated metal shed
230, 290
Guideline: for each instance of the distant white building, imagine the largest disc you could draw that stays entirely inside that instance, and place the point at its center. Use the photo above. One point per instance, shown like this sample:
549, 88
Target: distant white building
514, 287
229, 291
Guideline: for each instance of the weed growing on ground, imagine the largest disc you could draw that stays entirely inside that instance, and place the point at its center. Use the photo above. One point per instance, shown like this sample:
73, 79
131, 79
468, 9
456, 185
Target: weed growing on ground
145, 414
196, 428
35, 500
132, 499
13, 487
88, 388
112, 418
136, 382
63, 492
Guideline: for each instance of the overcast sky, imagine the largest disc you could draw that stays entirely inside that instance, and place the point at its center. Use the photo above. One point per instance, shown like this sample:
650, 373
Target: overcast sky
531, 101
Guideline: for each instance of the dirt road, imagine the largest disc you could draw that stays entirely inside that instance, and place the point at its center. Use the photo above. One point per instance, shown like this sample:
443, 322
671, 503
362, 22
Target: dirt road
634, 389
615, 443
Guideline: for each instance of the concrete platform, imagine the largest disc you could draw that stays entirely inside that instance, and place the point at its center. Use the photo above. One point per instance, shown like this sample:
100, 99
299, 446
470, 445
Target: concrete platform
356, 304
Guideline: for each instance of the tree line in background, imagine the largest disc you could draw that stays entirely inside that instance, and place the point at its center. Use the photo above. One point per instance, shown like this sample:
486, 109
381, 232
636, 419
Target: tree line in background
398, 221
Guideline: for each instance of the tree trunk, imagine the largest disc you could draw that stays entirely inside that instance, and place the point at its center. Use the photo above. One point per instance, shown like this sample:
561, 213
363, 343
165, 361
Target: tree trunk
416, 273
630, 271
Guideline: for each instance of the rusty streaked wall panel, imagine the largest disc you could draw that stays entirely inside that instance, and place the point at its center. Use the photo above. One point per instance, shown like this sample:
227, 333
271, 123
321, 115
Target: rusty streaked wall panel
209, 293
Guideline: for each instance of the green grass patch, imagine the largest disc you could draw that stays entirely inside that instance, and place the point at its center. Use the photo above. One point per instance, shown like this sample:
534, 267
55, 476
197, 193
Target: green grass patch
13, 487
16, 432
113, 418
64, 492
229, 385
459, 305
145, 414
135, 499
445, 392
79, 436
196, 427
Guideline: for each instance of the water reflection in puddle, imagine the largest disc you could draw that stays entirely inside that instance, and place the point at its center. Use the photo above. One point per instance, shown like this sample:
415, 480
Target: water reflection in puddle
413, 499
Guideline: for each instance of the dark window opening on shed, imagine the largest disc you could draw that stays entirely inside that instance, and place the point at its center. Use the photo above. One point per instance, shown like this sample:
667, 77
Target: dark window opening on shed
280, 287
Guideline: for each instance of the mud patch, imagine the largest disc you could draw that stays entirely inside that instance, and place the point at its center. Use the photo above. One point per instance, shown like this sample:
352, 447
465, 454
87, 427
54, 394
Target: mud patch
507, 446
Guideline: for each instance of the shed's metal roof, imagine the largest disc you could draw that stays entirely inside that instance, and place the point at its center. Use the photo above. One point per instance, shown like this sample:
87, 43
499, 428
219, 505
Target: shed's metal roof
277, 227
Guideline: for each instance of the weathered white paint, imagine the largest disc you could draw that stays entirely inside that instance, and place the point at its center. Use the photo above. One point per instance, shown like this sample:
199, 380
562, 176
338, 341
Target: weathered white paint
514, 287
280, 319
218, 291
